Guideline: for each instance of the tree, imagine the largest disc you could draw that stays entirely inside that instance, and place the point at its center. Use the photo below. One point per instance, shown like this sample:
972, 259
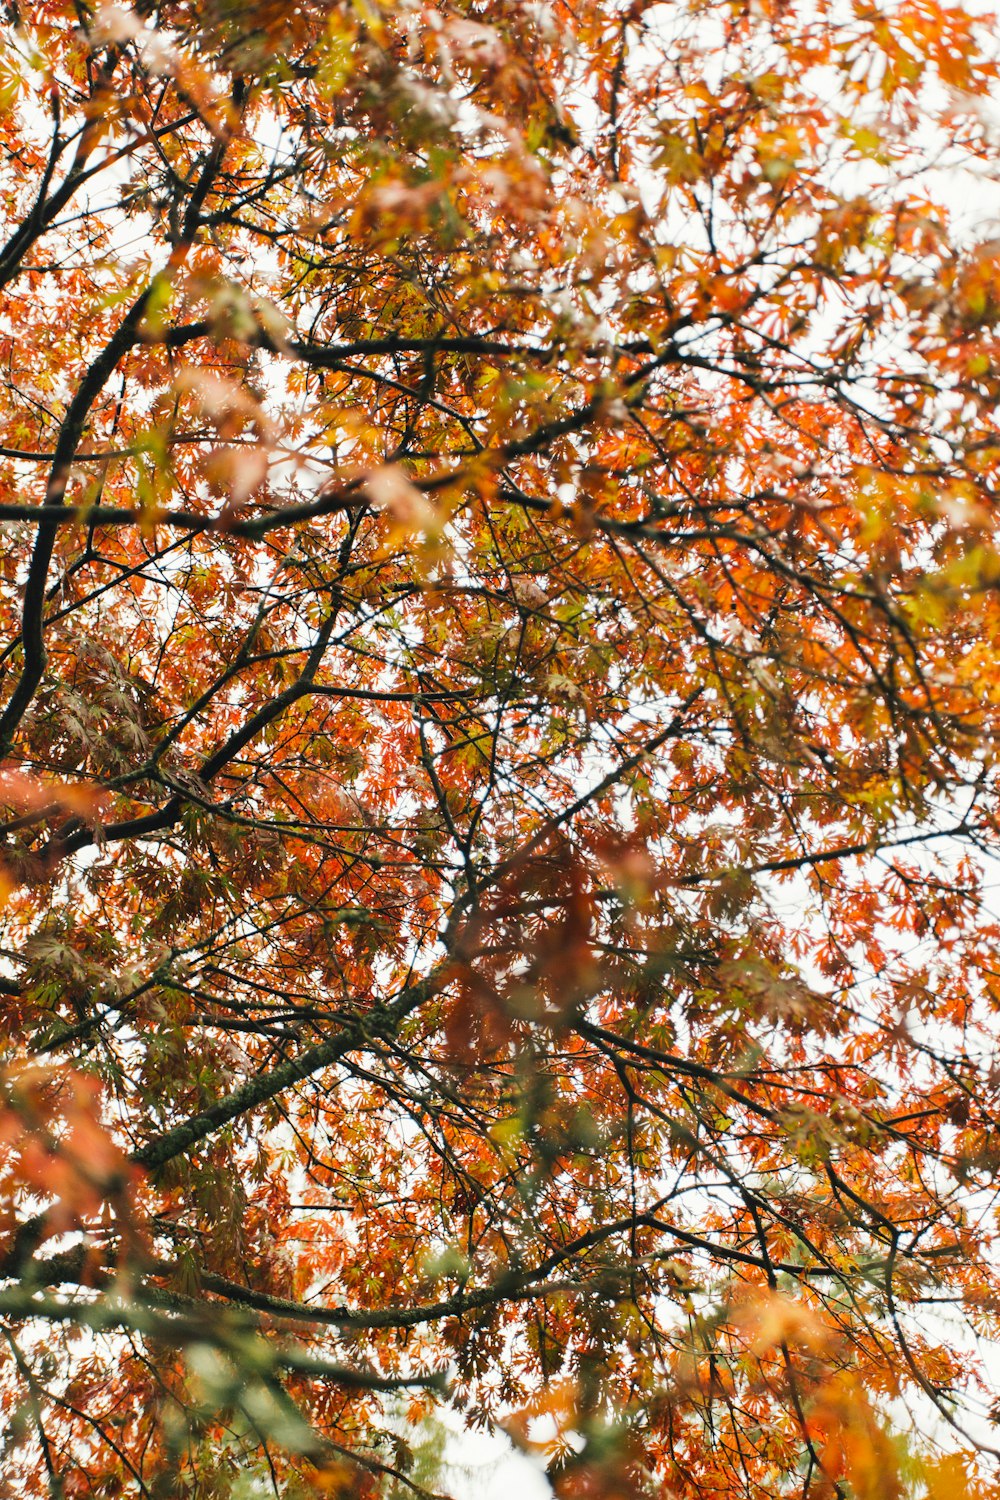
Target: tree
499, 720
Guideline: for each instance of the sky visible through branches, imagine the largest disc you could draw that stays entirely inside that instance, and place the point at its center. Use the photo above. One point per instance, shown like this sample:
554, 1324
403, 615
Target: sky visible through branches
499, 739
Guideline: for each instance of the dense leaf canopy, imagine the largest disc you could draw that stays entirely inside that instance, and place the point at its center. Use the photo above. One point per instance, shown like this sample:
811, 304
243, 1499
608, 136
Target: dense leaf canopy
499, 718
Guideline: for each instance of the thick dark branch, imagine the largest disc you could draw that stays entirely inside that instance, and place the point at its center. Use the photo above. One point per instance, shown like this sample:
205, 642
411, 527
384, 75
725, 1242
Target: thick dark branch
70, 433
378, 1024
188, 1325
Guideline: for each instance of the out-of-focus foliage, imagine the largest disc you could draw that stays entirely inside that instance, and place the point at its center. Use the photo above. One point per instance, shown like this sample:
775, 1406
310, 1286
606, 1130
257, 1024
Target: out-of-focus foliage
499, 723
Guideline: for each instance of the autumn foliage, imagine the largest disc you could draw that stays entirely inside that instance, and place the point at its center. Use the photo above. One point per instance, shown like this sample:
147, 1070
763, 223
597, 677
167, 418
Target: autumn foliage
499, 745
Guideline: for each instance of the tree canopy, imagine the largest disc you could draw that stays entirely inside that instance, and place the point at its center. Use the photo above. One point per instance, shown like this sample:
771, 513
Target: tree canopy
499, 745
